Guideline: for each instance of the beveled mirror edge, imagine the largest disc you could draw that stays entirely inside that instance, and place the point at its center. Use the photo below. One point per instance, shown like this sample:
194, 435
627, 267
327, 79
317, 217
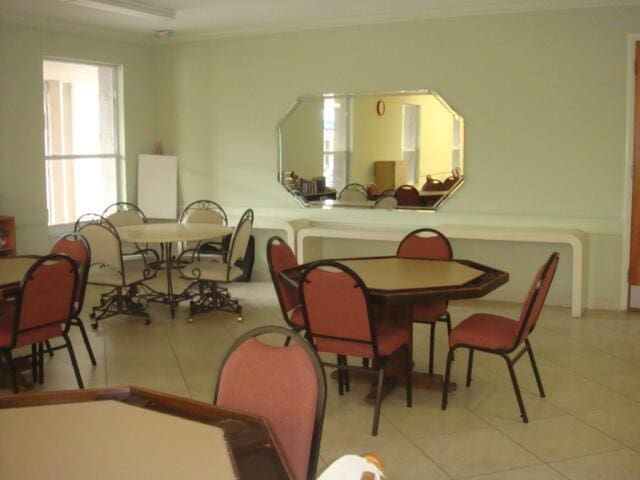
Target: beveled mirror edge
303, 201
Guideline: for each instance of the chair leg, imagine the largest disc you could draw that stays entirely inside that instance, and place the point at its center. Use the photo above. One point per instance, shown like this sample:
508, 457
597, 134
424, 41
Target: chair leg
345, 374
74, 362
447, 374
340, 377
469, 367
34, 362
376, 412
40, 363
49, 349
516, 389
534, 365
86, 341
287, 341
409, 379
447, 319
12, 372
432, 339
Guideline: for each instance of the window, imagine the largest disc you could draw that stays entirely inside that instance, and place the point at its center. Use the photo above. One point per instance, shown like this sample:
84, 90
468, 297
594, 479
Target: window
81, 138
336, 121
410, 148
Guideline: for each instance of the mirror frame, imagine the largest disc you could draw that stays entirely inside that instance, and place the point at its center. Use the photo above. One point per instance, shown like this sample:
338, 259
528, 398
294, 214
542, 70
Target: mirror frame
304, 203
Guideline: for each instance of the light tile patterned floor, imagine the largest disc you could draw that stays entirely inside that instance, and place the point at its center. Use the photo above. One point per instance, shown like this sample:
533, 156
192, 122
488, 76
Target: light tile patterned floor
588, 427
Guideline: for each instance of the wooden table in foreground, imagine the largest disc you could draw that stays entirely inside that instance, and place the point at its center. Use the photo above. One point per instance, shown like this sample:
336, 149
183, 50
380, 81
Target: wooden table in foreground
395, 284
132, 433
12, 270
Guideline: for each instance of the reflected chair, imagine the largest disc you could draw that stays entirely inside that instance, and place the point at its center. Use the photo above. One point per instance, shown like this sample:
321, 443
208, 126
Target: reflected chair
354, 192
42, 311
339, 320
387, 202
280, 257
408, 196
75, 246
429, 244
502, 336
285, 385
124, 214
108, 269
207, 273
373, 191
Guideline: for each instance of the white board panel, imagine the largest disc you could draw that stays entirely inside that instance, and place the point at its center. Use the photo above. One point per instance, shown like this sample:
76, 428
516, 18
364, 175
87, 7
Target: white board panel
158, 185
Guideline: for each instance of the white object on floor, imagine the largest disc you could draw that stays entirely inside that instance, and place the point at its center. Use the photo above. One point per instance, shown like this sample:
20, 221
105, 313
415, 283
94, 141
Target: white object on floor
350, 467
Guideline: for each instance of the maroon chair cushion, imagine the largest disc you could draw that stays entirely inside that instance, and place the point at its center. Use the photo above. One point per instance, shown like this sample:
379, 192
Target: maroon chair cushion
279, 384
534, 306
7, 314
390, 339
485, 330
408, 197
428, 312
283, 258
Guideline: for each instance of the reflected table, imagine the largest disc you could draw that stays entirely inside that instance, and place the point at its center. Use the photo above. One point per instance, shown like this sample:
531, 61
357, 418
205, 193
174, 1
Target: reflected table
394, 284
133, 433
166, 234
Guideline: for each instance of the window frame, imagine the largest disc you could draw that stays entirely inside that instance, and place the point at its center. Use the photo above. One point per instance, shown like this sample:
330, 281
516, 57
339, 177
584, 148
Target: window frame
117, 131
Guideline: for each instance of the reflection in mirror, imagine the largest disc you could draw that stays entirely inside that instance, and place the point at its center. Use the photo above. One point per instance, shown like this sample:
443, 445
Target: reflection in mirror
390, 151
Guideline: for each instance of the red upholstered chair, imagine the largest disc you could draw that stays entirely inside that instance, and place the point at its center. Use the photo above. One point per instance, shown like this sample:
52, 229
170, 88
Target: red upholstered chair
431, 244
44, 306
76, 247
502, 336
285, 385
280, 257
338, 319
373, 191
408, 196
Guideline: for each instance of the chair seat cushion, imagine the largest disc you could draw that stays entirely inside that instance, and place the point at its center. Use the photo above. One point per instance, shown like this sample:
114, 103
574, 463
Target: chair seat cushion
390, 339
485, 330
7, 315
296, 317
428, 312
211, 271
134, 272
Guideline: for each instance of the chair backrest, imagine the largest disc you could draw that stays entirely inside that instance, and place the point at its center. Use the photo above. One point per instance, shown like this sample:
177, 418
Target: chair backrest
408, 196
387, 201
536, 297
280, 257
122, 214
373, 191
335, 303
76, 247
204, 211
45, 300
240, 239
103, 239
425, 243
285, 385
352, 196
358, 187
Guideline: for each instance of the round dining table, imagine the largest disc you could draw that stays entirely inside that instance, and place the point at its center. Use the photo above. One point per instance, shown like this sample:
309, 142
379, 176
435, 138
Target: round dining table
13, 269
166, 234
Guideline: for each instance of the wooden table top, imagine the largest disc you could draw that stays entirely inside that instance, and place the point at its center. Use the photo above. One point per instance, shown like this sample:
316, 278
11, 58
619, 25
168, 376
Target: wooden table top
393, 280
132, 433
12, 269
172, 232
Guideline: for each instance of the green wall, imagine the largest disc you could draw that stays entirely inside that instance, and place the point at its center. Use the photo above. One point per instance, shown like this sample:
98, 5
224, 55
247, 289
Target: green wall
543, 96
22, 172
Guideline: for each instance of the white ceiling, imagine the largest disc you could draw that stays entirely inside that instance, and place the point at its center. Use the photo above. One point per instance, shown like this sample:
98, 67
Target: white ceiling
228, 17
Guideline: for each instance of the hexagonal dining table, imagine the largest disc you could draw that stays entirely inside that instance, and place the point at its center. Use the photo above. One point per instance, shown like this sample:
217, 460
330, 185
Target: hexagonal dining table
395, 283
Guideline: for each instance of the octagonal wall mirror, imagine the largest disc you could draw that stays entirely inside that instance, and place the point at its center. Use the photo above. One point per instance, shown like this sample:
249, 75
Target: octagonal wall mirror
392, 150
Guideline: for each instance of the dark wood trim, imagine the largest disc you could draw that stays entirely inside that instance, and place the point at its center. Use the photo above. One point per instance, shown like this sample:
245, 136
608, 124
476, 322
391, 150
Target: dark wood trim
254, 449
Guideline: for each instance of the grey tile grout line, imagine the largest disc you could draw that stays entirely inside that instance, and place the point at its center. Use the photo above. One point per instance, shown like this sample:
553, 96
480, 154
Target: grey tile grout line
550, 464
175, 355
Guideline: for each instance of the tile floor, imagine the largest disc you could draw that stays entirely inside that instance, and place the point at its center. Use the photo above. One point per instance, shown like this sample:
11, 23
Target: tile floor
588, 427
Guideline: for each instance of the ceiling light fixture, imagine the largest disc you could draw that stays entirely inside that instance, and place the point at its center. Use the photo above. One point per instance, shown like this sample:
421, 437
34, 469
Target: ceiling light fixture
127, 7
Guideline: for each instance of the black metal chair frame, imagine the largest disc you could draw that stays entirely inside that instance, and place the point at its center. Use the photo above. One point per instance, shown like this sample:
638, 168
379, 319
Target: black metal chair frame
320, 375
274, 280
37, 351
357, 187
75, 319
445, 318
505, 354
208, 295
123, 299
379, 362
129, 207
